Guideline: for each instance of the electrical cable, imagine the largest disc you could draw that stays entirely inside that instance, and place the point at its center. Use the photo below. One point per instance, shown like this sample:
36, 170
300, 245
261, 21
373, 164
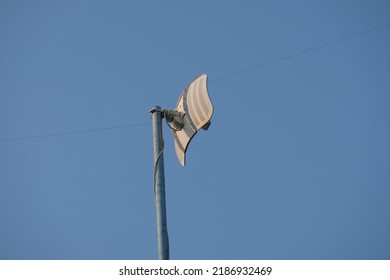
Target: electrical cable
160, 154
173, 129
71, 132
155, 167
277, 60
274, 61
282, 58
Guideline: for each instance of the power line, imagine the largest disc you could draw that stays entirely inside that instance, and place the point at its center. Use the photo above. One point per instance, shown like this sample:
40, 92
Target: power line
273, 61
71, 132
277, 60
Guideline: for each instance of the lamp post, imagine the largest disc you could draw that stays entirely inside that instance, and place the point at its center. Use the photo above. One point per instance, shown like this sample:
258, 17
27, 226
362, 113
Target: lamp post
159, 184
193, 112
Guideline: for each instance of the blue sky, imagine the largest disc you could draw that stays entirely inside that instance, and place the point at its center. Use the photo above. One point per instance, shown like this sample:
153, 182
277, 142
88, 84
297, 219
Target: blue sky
294, 166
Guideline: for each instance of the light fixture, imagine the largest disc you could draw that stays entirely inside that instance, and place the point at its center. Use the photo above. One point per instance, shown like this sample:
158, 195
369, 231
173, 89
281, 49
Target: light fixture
193, 111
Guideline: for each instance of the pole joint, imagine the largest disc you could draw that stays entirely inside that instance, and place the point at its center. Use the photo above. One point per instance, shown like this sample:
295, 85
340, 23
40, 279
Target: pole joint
156, 109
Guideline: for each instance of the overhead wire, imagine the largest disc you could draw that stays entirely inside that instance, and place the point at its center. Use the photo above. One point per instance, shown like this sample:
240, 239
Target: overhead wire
277, 60
245, 70
72, 132
286, 57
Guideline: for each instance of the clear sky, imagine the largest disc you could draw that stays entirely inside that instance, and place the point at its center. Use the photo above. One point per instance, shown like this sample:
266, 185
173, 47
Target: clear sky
296, 162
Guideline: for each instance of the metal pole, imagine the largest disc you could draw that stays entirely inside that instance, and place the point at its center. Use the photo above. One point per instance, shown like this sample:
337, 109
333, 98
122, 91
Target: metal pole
159, 184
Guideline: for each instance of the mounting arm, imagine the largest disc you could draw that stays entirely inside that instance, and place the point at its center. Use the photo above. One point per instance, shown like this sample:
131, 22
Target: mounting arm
176, 119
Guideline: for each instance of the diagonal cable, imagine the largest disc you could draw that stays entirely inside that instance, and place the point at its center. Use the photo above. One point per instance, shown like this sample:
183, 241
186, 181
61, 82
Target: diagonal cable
276, 60
71, 132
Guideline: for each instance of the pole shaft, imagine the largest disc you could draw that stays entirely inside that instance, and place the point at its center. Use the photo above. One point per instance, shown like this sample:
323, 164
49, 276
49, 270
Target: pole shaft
159, 184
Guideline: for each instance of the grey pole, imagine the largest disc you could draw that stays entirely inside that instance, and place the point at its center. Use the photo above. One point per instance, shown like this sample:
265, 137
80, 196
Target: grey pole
159, 184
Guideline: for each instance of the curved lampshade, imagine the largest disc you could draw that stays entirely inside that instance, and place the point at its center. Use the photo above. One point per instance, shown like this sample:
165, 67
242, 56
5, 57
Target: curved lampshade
196, 105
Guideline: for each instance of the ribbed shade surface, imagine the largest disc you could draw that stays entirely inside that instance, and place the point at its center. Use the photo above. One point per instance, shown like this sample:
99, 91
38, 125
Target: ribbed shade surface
196, 104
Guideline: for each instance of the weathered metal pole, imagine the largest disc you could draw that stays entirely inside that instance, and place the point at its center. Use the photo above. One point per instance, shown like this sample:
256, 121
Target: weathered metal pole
159, 184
